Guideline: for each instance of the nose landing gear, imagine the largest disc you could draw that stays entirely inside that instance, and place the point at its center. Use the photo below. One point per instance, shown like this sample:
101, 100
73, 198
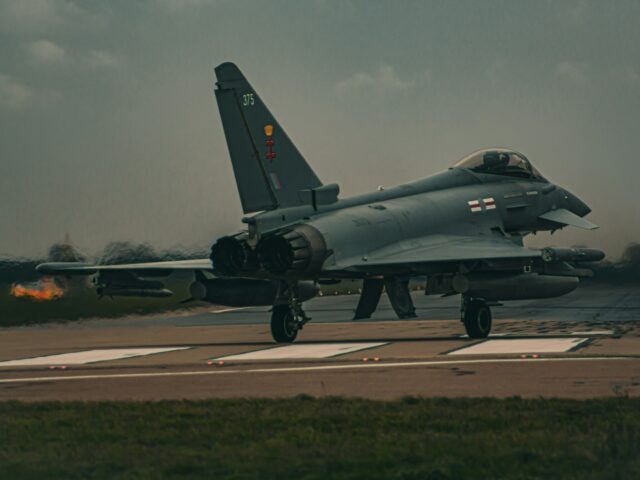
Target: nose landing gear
476, 316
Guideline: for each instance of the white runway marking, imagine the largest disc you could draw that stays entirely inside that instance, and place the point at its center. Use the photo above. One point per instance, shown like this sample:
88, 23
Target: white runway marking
324, 350
316, 368
594, 332
88, 356
227, 310
525, 345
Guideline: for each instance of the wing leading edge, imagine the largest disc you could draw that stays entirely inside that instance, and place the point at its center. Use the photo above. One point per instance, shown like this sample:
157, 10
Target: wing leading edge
440, 249
76, 268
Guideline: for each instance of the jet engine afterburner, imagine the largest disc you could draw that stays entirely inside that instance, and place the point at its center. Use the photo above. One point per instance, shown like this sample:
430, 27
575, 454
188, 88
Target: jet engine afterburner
299, 250
232, 255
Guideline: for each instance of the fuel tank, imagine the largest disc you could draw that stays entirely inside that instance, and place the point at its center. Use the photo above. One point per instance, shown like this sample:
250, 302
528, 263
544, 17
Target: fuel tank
521, 286
244, 292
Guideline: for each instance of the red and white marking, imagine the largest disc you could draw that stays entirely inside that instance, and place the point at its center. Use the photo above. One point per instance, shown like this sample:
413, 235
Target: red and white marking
489, 203
474, 205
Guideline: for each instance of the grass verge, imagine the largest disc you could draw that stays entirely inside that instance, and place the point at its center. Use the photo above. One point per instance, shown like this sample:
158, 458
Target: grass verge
328, 438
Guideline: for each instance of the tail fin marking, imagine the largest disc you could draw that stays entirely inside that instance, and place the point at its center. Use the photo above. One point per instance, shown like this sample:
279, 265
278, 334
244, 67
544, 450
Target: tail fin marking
270, 171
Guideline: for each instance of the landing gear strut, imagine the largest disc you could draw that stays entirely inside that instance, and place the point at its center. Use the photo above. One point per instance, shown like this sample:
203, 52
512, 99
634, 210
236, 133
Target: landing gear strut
476, 316
397, 291
287, 316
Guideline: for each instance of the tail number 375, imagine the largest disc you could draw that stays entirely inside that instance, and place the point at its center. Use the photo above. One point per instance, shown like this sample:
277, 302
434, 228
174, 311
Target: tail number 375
248, 100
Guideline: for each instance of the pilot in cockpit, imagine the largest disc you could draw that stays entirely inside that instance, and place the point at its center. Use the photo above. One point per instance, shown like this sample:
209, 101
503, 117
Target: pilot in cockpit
498, 161
492, 160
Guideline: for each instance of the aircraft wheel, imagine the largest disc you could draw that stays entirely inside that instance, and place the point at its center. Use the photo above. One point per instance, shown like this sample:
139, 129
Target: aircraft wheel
477, 319
284, 326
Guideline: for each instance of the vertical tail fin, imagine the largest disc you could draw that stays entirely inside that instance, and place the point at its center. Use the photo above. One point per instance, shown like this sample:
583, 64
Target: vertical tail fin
269, 169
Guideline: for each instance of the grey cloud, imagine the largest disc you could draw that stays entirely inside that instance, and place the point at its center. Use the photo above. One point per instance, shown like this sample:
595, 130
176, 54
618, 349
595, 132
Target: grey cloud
34, 16
12, 93
496, 70
19, 15
101, 59
576, 12
627, 74
385, 77
181, 4
46, 51
570, 71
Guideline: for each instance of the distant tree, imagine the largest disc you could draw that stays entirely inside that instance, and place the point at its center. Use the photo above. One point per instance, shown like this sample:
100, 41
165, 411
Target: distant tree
65, 252
182, 253
631, 255
18, 269
127, 252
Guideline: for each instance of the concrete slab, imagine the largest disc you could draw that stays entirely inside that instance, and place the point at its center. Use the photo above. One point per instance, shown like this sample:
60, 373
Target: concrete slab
411, 358
88, 356
321, 350
528, 345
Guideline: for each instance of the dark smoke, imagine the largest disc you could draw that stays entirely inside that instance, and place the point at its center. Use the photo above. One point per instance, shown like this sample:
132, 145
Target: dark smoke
24, 269
624, 270
65, 252
631, 256
127, 252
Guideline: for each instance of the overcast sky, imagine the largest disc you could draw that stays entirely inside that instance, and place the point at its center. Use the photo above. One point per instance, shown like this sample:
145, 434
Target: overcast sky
109, 128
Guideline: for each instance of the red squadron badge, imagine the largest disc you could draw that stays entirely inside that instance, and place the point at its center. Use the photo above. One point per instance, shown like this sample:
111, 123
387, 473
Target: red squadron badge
268, 131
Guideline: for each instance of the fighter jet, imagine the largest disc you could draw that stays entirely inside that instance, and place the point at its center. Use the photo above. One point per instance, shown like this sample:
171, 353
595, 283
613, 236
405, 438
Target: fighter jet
461, 229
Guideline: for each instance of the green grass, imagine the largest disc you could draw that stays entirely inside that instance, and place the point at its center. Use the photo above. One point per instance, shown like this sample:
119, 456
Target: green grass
330, 438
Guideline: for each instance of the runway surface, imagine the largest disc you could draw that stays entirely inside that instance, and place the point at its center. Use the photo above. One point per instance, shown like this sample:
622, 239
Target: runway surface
581, 345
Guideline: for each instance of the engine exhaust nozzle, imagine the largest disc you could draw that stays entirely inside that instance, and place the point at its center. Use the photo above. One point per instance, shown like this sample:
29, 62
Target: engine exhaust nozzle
300, 251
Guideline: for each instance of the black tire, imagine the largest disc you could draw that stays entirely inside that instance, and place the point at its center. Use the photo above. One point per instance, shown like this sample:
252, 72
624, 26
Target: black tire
477, 319
283, 324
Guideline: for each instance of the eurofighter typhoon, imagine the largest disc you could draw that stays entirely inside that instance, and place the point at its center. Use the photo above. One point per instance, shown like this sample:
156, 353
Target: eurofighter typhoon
462, 229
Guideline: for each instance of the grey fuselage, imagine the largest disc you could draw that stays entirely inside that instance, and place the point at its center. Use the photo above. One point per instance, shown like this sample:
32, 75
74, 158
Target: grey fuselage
436, 205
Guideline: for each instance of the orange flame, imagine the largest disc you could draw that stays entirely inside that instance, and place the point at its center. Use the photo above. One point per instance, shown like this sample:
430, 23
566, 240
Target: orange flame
43, 290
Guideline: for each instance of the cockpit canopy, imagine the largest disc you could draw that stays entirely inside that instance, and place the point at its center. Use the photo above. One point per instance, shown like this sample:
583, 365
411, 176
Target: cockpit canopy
500, 161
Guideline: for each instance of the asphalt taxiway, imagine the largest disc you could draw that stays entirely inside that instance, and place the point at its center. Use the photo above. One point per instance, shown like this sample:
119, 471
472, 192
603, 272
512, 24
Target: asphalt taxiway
581, 345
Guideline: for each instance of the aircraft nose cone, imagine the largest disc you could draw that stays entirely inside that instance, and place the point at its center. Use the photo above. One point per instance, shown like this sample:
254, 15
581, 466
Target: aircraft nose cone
577, 206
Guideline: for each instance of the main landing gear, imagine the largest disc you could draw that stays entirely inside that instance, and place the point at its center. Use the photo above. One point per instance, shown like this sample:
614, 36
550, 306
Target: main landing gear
476, 316
397, 291
287, 316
